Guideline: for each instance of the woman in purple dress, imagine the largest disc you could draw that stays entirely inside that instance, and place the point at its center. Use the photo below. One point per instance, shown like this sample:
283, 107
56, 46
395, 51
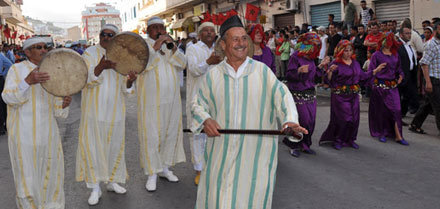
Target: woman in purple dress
344, 76
300, 76
262, 53
384, 113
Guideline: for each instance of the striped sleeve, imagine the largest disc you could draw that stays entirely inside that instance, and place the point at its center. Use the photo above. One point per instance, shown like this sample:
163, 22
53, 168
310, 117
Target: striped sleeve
200, 107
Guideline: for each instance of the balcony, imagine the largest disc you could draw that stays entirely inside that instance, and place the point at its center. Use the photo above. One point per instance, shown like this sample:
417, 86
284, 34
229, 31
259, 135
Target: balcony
12, 14
5, 3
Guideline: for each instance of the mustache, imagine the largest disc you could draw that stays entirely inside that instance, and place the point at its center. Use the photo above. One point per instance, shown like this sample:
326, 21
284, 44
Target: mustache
240, 47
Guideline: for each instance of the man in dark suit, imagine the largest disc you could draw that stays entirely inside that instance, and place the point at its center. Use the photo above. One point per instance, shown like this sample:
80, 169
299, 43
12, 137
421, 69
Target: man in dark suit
408, 62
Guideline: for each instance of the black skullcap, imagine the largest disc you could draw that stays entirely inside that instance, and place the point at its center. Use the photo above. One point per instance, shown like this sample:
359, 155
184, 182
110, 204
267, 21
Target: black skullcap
231, 22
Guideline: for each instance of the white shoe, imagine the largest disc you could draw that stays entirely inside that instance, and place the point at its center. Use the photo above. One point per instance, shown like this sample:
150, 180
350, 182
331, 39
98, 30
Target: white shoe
169, 176
151, 183
114, 187
94, 197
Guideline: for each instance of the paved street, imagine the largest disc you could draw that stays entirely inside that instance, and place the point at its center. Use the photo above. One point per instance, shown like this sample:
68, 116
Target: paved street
375, 176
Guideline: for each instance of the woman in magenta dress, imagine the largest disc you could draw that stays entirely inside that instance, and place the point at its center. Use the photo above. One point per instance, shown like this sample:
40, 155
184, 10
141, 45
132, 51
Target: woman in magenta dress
384, 113
344, 78
262, 53
300, 75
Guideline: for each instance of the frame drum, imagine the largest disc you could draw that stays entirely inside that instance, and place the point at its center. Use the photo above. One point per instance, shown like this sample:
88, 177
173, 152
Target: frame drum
67, 70
129, 51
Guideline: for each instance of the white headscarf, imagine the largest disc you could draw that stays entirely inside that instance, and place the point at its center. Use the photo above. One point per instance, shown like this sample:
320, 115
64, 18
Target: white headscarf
111, 27
206, 24
155, 20
32, 41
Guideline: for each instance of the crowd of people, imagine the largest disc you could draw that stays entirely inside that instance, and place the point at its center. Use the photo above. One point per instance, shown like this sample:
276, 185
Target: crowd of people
272, 87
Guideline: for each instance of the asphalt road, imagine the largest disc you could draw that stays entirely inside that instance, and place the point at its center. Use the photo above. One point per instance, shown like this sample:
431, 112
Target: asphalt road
377, 175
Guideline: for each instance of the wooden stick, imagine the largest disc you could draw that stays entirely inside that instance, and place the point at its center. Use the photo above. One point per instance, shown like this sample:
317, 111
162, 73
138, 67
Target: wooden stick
252, 131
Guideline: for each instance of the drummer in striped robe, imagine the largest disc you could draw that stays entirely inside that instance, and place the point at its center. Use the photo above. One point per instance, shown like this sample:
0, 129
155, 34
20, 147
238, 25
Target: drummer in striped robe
34, 142
240, 93
201, 58
159, 107
101, 147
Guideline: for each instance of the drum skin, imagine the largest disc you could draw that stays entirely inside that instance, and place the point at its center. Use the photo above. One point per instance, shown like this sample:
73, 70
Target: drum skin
129, 51
67, 70
219, 50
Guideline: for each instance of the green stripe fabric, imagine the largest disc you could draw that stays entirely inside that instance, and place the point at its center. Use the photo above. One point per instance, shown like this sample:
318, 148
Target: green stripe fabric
260, 138
243, 126
226, 139
211, 94
272, 156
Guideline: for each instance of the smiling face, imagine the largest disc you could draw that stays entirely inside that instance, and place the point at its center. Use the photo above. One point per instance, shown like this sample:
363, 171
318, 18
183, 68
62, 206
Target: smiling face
235, 44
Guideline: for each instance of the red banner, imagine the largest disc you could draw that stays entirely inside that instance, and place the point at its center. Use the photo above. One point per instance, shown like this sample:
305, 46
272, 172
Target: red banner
251, 12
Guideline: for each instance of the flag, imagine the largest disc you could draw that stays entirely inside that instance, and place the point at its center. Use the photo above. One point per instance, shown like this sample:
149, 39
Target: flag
231, 13
251, 12
215, 19
27, 37
221, 18
21, 37
7, 31
14, 35
206, 17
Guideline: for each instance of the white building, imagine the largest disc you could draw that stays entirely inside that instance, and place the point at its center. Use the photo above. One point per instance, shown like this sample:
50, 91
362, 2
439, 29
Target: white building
94, 17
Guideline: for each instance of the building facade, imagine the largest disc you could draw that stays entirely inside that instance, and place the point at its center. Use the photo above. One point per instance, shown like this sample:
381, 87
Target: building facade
74, 33
12, 17
183, 16
94, 17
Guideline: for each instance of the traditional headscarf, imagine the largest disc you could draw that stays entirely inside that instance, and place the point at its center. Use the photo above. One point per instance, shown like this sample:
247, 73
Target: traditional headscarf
389, 40
308, 44
32, 41
111, 27
253, 29
339, 50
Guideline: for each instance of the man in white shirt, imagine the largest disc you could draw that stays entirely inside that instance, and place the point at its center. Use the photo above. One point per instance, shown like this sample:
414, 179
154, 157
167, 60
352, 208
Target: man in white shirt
201, 58
324, 43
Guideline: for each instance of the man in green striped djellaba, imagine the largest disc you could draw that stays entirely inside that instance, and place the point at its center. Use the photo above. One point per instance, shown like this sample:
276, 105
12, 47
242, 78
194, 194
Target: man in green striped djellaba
240, 93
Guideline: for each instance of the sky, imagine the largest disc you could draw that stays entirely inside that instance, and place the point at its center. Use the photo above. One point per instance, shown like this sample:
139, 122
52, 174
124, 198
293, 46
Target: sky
63, 13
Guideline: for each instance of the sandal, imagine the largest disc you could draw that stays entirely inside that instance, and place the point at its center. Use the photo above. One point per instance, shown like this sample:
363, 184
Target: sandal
416, 130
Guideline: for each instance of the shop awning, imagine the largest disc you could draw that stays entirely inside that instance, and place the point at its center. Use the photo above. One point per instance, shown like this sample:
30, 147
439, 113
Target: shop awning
181, 23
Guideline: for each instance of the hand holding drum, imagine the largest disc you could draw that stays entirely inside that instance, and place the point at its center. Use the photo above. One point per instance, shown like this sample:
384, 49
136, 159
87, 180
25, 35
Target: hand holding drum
62, 72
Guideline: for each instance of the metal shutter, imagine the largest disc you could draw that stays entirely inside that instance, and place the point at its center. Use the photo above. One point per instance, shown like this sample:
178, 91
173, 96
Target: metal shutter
392, 10
284, 20
319, 13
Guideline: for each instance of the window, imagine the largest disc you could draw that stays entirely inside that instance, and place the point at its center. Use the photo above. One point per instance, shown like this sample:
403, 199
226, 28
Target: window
134, 12
125, 16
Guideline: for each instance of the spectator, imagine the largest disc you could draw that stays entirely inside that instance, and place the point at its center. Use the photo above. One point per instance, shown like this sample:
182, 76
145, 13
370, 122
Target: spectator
431, 72
391, 27
372, 39
350, 17
285, 54
383, 26
292, 36
416, 40
345, 34
304, 28
353, 34
271, 41
324, 42
279, 73
435, 20
366, 14
331, 19
425, 24
427, 33
359, 48
333, 40
408, 63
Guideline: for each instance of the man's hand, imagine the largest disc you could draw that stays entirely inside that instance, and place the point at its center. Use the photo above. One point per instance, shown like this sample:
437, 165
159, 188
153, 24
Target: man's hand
102, 65
213, 59
37, 77
211, 127
131, 78
428, 87
290, 128
303, 69
66, 101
